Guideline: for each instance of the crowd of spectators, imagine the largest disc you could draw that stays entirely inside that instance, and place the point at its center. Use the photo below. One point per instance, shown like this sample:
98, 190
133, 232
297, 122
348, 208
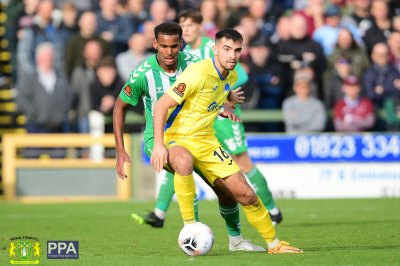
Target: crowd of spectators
316, 60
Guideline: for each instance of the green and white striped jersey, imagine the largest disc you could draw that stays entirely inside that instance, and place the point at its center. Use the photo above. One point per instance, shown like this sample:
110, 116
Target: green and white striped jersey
149, 82
205, 49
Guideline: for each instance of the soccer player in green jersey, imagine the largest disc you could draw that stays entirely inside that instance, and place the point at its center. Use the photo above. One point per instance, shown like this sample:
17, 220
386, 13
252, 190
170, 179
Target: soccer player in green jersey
148, 82
184, 137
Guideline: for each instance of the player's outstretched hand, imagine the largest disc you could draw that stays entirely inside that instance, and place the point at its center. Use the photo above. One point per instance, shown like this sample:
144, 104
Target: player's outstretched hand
159, 157
230, 115
122, 158
236, 96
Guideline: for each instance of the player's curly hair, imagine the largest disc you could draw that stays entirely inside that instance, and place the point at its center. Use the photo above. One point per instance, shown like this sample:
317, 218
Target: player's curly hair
168, 28
230, 34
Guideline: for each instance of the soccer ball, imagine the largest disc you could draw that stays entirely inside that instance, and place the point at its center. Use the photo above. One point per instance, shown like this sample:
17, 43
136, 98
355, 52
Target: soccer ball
196, 239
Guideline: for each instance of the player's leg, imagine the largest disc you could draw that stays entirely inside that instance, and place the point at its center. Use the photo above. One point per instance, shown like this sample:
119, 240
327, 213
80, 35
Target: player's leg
156, 218
259, 184
233, 139
181, 160
216, 162
255, 211
229, 210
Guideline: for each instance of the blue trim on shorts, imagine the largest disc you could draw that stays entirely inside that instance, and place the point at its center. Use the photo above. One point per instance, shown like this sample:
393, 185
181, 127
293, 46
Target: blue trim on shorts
173, 115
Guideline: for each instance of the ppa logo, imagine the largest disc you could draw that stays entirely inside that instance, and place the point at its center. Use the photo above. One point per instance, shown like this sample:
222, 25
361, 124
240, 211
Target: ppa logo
62, 249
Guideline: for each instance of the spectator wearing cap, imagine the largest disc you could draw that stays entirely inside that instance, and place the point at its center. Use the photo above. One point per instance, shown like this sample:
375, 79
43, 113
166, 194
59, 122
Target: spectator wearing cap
326, 35
302, 112
333, 83
353, 113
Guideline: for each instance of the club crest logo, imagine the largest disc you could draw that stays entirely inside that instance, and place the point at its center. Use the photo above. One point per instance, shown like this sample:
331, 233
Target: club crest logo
128, 90
227, 87
180, 89
24, 250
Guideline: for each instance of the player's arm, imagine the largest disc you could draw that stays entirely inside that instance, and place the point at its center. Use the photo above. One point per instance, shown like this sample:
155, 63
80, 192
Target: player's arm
130, 94
118, 128
160, 154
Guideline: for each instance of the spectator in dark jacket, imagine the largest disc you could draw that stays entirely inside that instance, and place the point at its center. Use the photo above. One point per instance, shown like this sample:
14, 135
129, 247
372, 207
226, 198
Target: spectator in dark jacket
112, 27
300, 51
382, 79
73, 56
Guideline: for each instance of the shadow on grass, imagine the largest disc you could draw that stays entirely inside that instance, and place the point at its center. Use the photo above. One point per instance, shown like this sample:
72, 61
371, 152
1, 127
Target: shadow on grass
353, 247
336, 223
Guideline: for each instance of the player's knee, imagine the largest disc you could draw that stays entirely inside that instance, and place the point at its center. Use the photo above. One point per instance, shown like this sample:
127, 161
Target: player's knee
247, 198
183, 164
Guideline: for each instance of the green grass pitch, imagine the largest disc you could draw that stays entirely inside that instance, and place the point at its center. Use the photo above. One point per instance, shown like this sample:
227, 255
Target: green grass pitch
331, 232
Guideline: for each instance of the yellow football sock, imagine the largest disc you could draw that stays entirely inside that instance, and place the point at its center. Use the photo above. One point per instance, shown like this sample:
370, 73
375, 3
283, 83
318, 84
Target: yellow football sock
258, 217
185, 191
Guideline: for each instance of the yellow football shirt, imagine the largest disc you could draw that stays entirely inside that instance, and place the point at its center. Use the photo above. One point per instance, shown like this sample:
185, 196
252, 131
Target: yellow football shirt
201, 92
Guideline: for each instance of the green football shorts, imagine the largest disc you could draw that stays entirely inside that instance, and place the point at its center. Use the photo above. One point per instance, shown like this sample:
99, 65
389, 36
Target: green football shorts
231, 135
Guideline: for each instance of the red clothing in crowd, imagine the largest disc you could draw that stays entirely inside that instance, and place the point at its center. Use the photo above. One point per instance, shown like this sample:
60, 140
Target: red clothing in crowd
353, 115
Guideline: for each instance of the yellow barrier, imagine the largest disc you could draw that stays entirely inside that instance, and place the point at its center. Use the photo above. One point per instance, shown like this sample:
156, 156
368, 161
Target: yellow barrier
11, 142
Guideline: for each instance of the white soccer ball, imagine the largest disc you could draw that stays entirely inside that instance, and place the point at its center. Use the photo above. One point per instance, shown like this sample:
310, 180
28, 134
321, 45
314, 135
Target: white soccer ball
196, 239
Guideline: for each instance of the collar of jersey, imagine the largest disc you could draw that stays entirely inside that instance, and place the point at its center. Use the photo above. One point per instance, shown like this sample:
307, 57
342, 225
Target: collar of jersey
219, 73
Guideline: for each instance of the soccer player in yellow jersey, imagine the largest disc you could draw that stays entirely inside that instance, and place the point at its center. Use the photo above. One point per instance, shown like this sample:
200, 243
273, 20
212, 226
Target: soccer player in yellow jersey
185, 139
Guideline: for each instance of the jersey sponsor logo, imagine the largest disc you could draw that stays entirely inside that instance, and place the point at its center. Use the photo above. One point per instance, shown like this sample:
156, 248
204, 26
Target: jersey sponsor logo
227, 87
214, 107
128, 90
180, 89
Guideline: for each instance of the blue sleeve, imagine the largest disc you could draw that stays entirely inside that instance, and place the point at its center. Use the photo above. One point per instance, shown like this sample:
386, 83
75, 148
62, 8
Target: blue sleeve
242, 76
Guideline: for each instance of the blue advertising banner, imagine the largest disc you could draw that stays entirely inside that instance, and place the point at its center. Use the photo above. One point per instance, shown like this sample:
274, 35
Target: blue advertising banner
324, 148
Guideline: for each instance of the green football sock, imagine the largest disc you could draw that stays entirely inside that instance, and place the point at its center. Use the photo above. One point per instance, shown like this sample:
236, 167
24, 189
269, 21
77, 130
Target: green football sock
231, 217
260, 186
167, 192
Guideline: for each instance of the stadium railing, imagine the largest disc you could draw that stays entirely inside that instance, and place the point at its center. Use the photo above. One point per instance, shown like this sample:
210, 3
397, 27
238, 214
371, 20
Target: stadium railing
14, 165
247, 116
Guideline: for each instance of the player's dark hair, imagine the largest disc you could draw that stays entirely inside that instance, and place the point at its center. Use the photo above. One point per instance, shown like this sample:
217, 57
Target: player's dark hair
168, 28
229, 34
193, 14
